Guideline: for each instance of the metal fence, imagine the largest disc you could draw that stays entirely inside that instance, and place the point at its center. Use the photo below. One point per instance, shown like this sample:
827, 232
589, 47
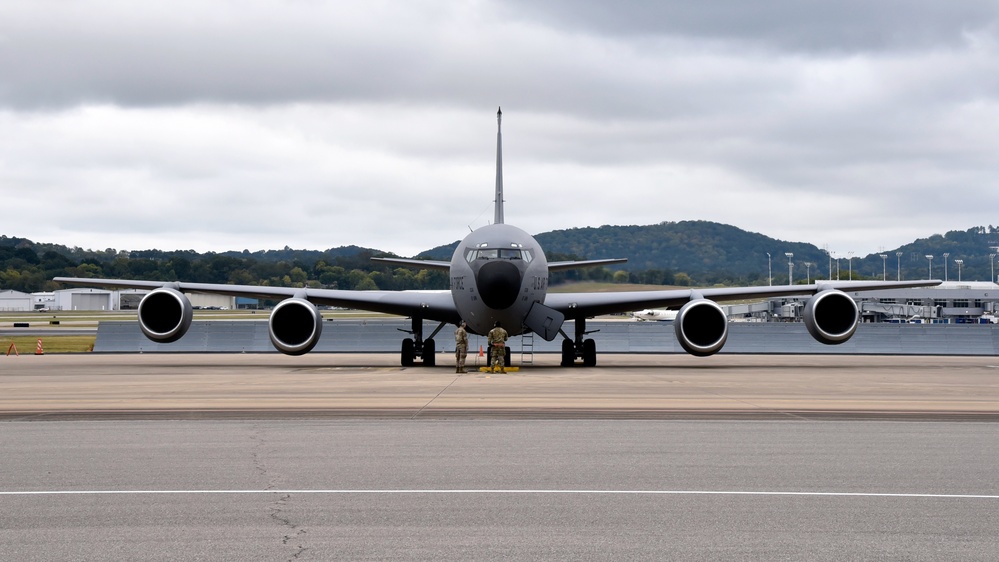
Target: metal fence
385, 336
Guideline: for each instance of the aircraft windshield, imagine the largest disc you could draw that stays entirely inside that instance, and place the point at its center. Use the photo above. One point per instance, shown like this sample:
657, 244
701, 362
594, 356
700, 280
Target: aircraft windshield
497, 254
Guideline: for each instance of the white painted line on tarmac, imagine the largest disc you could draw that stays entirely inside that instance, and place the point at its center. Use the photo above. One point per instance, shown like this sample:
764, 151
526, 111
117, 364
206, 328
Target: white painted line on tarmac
501, 492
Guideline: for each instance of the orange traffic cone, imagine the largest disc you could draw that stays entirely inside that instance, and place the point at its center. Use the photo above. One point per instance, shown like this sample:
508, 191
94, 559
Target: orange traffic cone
38, 350
481, 353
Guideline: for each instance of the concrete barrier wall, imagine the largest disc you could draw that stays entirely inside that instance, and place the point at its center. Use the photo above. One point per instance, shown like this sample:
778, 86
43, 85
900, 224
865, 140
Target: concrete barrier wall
385, 336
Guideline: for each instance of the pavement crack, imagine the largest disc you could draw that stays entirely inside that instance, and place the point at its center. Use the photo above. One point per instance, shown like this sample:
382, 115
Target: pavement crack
438, 395
256, 458
293, 534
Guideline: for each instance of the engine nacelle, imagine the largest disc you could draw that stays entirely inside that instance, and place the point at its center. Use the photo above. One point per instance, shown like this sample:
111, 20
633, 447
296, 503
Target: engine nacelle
701, 327
831, 316
295, 326
165, 315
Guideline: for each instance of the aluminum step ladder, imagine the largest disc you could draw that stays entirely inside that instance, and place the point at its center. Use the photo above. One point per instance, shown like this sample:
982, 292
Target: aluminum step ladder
527, 348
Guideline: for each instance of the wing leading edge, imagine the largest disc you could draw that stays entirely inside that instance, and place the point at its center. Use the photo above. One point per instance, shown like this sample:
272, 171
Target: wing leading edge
432, 305
586, 305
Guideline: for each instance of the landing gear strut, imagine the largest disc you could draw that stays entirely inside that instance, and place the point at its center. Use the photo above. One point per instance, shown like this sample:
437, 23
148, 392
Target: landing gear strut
580, 347
416, 346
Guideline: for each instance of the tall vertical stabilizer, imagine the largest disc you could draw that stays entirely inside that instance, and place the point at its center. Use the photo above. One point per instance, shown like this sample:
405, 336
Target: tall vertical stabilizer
498, 216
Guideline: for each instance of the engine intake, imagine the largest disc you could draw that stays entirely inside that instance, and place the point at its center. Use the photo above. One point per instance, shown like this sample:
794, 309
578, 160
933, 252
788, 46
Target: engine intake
831, 317
701, 327
165, 315
295, 326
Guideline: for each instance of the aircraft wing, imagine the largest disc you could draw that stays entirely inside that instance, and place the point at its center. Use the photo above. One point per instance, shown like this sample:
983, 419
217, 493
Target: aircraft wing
586, 305
431, 305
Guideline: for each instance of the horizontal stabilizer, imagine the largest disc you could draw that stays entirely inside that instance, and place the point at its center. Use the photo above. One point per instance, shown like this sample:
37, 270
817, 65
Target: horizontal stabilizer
564, 265
418, 264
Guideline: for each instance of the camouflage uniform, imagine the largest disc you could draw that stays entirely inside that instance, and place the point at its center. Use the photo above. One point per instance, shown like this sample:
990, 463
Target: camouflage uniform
460, 348
497, 344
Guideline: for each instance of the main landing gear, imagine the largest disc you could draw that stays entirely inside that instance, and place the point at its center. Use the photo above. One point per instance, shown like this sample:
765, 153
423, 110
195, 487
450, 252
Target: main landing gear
579, 348
416, 347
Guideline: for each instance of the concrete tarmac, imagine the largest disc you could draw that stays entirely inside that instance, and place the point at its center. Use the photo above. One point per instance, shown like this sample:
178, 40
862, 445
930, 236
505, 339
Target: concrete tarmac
622, 386
497, 489
324, 457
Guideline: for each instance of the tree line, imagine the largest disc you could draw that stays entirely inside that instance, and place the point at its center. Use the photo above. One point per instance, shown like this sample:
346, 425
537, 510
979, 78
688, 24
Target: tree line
28, 268
688, 253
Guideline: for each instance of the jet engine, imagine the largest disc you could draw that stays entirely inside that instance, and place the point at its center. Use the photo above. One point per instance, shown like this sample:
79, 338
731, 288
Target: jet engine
831, 316
295, 326
701, 327
165, 315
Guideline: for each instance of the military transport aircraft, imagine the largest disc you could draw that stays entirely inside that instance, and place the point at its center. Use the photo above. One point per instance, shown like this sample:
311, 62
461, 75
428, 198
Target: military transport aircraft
499, 273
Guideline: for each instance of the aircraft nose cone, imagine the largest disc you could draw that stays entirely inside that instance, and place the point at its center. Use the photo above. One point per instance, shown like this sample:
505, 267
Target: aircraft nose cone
498, 283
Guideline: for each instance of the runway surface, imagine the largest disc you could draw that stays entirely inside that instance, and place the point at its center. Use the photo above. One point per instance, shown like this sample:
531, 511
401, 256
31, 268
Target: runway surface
223, 457
622, 386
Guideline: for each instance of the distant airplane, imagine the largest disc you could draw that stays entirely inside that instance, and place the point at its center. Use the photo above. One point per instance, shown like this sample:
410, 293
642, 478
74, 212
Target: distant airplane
656, 314
499, 273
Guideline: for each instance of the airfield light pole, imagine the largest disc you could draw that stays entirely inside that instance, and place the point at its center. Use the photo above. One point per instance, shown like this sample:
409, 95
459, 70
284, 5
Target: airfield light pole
808, 272
770, 270
898, 264
992, 262
851, 265
884, 266
790, 267
929, 258
959, 264
946, 255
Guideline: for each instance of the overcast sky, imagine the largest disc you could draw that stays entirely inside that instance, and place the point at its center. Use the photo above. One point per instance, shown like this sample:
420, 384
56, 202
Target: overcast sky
259, 124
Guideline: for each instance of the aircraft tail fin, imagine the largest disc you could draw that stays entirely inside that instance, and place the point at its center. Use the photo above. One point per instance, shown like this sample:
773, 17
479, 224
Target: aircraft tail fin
498, 214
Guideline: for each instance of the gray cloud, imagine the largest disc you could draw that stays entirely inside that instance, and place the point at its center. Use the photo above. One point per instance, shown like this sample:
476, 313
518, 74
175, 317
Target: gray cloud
784, 25
314, 124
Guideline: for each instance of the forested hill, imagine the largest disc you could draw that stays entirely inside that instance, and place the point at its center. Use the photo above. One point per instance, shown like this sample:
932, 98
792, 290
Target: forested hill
712, 253
694, 247
682, 253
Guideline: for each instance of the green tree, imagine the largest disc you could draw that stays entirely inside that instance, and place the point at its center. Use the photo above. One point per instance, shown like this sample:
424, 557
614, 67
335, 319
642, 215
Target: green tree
366, 284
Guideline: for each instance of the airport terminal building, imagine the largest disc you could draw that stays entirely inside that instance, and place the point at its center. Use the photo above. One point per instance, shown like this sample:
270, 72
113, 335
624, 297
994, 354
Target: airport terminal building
95, 300
952, 302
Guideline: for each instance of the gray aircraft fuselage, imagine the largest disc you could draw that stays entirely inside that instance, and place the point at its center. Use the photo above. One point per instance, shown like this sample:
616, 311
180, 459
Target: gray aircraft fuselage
498, 272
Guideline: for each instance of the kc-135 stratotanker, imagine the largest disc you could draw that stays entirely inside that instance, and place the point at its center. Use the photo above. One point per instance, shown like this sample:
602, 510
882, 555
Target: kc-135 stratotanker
499, 273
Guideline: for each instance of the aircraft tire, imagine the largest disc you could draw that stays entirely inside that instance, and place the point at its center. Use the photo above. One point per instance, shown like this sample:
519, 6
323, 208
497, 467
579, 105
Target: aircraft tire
506, 357
429, 353
568, 353
589, 353
408, 352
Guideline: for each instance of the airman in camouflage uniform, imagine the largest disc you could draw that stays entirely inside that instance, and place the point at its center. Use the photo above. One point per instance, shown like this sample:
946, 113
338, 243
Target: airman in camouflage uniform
460, 347
497, 344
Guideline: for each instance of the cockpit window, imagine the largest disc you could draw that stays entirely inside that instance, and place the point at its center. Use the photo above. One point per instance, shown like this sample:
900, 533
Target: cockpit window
509, 254
473, 254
